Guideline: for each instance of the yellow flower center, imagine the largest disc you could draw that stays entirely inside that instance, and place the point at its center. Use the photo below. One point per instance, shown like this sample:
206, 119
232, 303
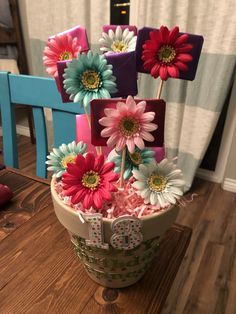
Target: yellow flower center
166, 54
119, 46
65, 55
136, 158
68, 159
157, 183
128, 126
90, 79
91, 180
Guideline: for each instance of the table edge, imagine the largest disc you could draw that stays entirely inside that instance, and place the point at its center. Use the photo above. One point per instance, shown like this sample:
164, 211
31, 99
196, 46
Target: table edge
27, 175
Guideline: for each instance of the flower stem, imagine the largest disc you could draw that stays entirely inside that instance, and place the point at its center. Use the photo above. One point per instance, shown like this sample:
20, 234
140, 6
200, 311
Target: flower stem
122, 170
160, 89
89, 123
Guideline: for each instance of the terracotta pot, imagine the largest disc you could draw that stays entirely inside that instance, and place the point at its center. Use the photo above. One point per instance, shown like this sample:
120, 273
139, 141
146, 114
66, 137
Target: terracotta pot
114, 268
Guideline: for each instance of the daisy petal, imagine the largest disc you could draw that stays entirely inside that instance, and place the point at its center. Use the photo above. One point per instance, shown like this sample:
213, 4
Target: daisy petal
147, 136
139, 142
163, 73
184, 57
173, 70
173, 34
130, 145
164, 33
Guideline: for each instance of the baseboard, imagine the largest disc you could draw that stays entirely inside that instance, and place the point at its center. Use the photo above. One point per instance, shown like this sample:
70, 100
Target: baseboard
20, 129
229, 185
208, 175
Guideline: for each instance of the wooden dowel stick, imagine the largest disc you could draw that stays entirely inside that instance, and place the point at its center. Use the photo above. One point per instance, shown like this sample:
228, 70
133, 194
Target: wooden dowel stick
122, 170
88, 116
160, 89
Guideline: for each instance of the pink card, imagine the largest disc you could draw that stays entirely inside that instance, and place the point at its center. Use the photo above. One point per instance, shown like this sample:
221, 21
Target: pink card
80, 33
83, 133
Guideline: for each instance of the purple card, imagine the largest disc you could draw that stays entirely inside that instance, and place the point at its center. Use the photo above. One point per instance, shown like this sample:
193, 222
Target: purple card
195, 40
124, 69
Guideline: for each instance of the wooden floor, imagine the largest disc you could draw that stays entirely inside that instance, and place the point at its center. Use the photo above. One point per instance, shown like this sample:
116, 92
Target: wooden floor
27, 153
206, 281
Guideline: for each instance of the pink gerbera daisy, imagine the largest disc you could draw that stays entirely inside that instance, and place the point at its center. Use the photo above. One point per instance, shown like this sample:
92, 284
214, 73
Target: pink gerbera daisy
89, 180
61, 47
166, 53
128, 124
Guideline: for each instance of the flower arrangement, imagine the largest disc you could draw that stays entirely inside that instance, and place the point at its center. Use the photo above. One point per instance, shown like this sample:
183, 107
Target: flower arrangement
90, 183
114, 198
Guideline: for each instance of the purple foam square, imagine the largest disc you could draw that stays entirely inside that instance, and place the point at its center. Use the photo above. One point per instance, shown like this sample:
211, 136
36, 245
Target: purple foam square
195, 40
131, 28
124, 69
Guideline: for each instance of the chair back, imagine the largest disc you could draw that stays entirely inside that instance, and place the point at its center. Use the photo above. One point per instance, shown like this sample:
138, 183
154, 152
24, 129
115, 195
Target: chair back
39, 93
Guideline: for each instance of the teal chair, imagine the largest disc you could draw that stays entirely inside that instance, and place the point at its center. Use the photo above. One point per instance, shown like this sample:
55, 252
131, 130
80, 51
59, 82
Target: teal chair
39, 93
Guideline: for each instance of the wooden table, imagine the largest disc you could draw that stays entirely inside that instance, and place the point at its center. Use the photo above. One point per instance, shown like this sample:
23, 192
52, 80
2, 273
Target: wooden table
39, 272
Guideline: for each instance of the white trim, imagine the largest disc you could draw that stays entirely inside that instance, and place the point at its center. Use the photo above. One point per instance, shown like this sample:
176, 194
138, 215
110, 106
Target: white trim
20, 129
208, 175
226, 141
227, 138
229, 185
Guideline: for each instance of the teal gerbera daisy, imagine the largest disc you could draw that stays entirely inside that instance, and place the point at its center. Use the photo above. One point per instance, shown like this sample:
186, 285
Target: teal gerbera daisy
89, 77
60, 157
132, 161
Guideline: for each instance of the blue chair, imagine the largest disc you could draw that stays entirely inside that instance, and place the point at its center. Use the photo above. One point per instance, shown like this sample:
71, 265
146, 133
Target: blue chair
39, 93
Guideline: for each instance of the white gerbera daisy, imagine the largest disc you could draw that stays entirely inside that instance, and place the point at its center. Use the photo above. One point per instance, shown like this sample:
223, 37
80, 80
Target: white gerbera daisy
159, 184
118, 41
60, 157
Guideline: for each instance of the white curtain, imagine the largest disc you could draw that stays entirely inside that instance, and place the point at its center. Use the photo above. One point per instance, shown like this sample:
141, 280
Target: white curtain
193, 108
44, 18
